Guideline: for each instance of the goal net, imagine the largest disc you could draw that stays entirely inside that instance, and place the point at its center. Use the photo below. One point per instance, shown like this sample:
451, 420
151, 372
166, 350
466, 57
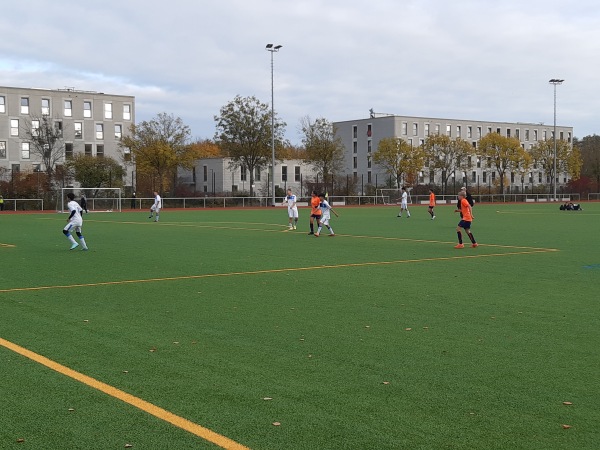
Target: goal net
96, 200
392, 196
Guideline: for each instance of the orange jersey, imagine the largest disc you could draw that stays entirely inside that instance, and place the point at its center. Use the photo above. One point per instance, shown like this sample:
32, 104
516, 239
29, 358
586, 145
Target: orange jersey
314, 203
432, 199
465, 210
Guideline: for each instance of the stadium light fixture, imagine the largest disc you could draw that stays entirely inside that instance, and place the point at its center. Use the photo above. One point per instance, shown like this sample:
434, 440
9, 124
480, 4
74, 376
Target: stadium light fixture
555, 82
272, 48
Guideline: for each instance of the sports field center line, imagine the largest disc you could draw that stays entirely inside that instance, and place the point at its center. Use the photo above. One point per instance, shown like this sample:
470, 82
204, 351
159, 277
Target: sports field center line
137, 402
268, 271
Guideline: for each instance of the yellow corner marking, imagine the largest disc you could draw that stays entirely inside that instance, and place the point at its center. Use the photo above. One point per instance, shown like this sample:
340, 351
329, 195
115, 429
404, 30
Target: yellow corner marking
143, 405
267, 271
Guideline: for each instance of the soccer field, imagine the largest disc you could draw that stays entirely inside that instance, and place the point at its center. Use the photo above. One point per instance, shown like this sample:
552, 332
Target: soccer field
224, 328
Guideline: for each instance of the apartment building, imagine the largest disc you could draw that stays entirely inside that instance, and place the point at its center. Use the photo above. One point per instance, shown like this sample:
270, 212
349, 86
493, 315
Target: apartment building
90, 123
361, 138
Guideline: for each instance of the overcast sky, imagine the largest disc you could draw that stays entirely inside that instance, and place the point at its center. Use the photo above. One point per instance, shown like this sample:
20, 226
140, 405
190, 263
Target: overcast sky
462, 59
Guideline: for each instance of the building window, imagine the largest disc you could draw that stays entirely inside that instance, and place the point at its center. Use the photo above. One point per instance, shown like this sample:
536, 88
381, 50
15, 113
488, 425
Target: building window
297, 173
404, 128
512, 177
473, 177
257, 174
25, 150
243, 174
561, 136
283, 173
3, 149
126, 112
88, 149
24, 105
437, 128
2, 104
448, 130
35, 127
470, 132
526, 135
458, 131
517, 133
78, 130
369, 130
45, 107
100, 151
544, 135
118, 132
539, 177
478, 132
59, 128
14, 127
535, 135
369, 146
426, 129
355, 146
484, 176
108, 110
415, 128
354, 131
87, 109
369, 163
355, 162
68, 108
479, 163
369, 177
99, 131
508, 132
68, 150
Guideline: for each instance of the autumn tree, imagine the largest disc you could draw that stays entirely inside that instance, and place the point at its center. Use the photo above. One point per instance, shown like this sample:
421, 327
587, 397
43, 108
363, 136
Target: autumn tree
503, 153
95, 172
567, 161
399, 159
446, 155
159, 147
46, 142
589, 148
244, 133
323, 149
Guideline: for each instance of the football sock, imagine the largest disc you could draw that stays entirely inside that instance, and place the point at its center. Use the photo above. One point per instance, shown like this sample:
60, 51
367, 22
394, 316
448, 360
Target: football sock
312, 228
471, 237
459, 237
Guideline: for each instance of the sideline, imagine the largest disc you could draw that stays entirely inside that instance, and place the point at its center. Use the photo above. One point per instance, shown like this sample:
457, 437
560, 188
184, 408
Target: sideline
143, 405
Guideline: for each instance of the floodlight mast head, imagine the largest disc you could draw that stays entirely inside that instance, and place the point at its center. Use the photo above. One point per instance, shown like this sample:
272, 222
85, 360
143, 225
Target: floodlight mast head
273, 48
556, 81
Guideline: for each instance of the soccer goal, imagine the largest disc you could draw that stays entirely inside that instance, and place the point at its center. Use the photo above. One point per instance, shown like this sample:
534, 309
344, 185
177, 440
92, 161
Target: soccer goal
97, 200
392, 196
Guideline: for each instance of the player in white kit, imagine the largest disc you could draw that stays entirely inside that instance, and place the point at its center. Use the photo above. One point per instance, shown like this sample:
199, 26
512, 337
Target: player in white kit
404, 203
75, 222
155, 208
326, 211
290, 199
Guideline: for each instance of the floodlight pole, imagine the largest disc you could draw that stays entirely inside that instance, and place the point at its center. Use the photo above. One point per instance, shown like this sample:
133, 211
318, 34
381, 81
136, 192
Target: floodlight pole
272, 48
555, 82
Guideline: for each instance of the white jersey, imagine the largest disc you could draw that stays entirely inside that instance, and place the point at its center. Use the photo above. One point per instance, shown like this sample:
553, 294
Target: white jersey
76, 219
157, 203
325, 210
291, 201
404, 199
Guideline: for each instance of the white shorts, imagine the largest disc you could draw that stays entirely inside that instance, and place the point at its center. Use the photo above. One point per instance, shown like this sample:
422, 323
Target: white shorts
155, 209
74, 225
324, 220
293, 212
404, 205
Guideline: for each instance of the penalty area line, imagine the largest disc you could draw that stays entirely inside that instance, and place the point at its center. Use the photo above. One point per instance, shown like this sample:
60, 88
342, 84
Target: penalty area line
269, 271
160, 413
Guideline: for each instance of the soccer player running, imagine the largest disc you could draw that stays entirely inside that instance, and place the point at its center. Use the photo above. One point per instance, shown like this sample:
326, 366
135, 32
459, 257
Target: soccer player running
75, 222
315, 211
290, 199
404, 203
326, 209
431, 204
466, 217
155, 208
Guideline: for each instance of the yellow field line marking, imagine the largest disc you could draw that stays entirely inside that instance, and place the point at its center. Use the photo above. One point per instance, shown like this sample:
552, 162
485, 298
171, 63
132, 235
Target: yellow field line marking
143, 405
7, 245
267, 271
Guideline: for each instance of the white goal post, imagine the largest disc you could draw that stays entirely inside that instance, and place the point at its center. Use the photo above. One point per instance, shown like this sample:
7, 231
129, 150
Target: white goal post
392, 196
97, 199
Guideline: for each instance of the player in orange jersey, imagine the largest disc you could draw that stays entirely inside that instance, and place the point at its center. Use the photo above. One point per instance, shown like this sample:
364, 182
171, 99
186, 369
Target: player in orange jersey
431, 204
465, 220
315, 212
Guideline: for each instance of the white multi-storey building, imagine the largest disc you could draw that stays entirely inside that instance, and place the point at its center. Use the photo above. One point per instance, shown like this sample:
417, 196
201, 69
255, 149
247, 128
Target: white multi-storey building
90, 123
361, 138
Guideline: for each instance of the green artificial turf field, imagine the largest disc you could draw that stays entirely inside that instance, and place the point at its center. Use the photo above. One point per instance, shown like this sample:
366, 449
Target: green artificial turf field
252, 336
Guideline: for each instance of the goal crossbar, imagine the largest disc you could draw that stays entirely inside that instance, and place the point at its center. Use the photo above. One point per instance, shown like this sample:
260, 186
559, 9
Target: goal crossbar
97, 199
